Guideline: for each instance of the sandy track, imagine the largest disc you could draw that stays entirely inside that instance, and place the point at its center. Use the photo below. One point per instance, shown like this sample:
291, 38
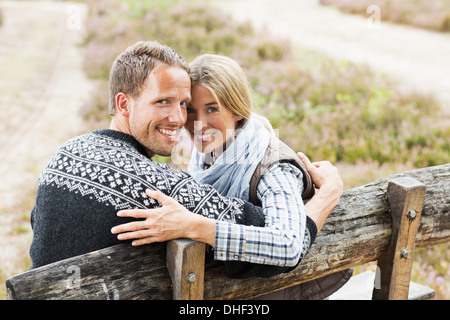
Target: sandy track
42, 88
419, 59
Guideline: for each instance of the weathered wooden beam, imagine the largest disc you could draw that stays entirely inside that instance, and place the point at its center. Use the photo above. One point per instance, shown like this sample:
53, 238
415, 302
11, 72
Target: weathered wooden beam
357, 231
186, 265
405, 198
119, 272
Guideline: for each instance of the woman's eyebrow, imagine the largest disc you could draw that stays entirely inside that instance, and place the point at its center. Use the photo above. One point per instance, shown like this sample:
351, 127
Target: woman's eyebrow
211, 103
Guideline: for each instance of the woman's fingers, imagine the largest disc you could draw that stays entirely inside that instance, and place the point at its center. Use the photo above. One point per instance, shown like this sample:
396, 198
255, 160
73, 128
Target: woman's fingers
146, 240
134, 235
145, 213
140, 234
139, 237
136, 213
130, 226
159, 196
126, 227
160, 224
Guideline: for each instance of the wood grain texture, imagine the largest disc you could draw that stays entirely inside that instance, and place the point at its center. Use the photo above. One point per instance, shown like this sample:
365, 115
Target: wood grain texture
186, 265
358, 231
119, 272
405, 194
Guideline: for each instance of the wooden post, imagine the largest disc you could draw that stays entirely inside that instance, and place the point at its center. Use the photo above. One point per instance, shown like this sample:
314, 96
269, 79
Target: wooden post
405, 198
358, 231
186, 265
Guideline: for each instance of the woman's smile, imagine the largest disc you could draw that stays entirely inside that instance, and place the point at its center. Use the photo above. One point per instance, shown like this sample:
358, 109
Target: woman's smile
209, 125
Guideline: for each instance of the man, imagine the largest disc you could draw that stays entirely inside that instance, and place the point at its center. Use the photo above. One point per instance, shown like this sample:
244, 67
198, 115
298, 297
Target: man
91, 177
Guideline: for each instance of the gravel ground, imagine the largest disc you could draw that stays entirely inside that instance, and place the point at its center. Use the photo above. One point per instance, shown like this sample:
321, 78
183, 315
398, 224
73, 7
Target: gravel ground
418, 58
42, 89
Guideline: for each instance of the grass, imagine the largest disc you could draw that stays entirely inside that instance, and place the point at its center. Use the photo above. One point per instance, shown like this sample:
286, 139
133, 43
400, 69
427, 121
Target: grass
15, 253
329, 109
428, 269
333, 110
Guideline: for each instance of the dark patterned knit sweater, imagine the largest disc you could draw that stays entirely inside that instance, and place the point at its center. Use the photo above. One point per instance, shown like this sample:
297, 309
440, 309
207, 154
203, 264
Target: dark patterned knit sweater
93, 176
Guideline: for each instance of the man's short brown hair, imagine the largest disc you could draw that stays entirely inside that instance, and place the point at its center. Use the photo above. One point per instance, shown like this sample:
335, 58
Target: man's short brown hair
131, 68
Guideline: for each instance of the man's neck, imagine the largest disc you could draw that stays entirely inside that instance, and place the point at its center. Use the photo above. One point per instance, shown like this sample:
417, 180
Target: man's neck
123, 126
118, 125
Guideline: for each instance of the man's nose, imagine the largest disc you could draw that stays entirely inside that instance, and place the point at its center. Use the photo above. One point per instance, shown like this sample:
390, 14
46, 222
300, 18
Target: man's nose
178, 115
199, 124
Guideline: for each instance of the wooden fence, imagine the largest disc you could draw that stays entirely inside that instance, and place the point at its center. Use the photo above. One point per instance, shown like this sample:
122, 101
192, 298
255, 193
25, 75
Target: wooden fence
382, 221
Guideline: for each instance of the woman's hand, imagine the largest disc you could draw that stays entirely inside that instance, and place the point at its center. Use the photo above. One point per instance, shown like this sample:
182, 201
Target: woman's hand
160, 224
170, 221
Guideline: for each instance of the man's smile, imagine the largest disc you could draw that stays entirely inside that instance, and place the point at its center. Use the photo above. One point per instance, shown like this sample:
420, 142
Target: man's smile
170, 133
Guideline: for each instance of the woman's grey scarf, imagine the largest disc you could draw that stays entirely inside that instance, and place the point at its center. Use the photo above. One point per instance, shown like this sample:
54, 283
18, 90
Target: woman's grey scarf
231, 172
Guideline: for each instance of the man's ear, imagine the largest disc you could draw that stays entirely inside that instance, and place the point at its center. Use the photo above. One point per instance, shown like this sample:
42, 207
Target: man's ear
123, 104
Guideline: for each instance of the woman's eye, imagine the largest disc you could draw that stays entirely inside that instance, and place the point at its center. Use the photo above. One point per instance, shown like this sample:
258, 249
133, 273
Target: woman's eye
212, 109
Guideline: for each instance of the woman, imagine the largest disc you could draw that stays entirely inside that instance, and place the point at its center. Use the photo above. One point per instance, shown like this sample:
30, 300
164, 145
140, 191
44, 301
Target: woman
230, 144
237, 153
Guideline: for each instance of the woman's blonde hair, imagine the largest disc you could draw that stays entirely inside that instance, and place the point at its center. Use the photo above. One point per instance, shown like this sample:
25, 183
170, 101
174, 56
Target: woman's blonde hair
225, 80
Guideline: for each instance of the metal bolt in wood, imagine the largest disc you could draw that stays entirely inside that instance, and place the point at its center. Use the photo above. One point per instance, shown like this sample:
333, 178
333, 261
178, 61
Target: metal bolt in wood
191, 277
404, 253
412, 214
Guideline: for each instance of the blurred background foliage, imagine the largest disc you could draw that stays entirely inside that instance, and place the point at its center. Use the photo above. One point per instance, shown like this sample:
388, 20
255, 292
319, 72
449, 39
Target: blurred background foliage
433, 15
333, 110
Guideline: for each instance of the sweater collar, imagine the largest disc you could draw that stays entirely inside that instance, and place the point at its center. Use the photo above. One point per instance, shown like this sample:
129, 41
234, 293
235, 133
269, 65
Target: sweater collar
123, 137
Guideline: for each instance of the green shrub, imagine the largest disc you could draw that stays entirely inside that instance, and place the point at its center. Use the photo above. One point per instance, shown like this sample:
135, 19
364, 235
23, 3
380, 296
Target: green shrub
337, 111
434, 15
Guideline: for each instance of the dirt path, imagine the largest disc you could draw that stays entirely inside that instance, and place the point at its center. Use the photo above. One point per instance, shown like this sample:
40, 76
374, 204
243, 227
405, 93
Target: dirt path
42, 88
420, 59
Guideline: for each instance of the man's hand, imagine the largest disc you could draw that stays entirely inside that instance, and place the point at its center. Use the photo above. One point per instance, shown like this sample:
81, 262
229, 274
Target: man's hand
170, 221
326, 178
324, 175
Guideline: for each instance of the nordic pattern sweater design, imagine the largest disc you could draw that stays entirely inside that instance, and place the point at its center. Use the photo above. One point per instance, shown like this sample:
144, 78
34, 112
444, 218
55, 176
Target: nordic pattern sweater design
93, 176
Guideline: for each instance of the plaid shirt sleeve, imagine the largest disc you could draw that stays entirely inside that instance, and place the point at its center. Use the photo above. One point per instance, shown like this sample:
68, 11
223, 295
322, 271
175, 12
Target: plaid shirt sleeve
284, 240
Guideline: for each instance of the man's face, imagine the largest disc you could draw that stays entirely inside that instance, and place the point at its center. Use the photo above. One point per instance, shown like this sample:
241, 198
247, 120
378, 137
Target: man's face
159, 113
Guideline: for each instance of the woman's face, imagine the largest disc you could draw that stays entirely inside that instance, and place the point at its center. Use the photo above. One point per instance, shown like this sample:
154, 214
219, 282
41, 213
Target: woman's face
208, 126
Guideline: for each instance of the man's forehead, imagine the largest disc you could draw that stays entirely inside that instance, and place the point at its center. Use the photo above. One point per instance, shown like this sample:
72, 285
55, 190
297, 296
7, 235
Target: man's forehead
167, 78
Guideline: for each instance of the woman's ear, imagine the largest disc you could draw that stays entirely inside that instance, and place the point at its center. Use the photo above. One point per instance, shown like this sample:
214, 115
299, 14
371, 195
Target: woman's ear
123, 103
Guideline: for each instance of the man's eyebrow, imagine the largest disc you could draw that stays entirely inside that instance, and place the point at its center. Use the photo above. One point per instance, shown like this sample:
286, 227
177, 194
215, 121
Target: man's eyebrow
188, 98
